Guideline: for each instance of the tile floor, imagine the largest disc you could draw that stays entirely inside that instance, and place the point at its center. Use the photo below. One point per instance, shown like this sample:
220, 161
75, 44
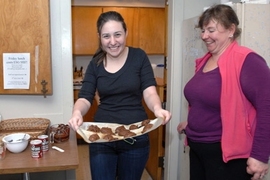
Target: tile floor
83, 171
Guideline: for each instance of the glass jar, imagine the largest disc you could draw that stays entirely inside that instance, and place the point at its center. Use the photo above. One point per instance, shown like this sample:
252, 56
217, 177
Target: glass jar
2, 150
59, 133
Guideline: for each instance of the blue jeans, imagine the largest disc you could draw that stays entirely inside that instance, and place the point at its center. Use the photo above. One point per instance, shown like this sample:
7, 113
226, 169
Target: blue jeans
119, 160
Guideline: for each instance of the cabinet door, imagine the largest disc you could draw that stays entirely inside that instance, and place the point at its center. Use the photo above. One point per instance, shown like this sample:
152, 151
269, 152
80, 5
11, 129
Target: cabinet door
130, 16
146, 28
84, 29
152, 30
25, 28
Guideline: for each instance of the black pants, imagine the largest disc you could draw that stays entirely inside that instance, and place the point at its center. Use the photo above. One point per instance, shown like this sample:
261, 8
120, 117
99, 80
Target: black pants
206, 163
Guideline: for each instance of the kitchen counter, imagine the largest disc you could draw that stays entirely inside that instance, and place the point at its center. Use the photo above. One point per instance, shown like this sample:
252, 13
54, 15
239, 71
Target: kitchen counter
51, 161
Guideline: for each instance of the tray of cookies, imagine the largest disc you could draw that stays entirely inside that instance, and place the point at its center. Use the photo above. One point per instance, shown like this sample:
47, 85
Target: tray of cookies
94, 132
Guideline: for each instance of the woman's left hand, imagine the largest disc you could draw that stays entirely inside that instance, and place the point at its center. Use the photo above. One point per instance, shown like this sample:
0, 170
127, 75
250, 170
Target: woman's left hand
166, 115
257, 168
152, 101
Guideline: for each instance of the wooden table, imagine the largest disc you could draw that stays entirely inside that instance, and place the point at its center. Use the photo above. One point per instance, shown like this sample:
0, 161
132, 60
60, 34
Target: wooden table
51, 161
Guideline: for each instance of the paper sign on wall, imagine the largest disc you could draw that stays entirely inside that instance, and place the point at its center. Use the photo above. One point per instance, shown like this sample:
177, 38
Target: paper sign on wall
16, 68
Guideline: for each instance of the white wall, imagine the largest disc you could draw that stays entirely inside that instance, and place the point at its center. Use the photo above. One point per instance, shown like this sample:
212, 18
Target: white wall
57, 107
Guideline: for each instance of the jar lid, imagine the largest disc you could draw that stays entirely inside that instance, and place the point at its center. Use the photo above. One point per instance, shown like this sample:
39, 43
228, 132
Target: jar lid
160, 65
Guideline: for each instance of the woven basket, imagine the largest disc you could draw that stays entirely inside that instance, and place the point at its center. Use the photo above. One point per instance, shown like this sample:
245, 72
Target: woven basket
32, 126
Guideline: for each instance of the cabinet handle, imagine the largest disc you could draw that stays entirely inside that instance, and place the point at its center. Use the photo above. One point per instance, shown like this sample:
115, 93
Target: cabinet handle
44, 90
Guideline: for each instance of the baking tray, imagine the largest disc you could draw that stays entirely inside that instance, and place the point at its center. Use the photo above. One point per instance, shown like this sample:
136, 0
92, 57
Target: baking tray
85, 133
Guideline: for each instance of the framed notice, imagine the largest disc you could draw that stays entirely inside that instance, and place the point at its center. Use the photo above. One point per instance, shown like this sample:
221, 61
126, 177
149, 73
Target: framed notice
16, 68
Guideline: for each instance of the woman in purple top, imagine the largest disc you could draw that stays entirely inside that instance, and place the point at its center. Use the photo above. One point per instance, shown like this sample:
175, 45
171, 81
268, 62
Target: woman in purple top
205, 127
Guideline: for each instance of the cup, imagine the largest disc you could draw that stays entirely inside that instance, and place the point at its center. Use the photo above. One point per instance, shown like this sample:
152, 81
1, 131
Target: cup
45, 142
36, 148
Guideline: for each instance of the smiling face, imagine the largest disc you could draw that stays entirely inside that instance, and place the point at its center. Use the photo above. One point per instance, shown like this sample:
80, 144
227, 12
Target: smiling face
216, 37
113, 38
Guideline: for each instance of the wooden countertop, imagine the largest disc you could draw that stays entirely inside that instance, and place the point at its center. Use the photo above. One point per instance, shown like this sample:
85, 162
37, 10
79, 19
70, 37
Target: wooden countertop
51, 161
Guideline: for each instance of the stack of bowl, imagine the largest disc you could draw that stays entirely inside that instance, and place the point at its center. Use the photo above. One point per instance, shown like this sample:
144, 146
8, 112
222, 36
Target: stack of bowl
16, 142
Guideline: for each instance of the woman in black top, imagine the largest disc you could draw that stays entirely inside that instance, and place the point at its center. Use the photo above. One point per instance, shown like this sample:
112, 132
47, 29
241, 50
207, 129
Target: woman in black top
122, 77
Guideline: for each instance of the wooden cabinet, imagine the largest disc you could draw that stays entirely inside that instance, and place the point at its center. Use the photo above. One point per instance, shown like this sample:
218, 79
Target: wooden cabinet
146, 28
152, 30
84, 30
25, 28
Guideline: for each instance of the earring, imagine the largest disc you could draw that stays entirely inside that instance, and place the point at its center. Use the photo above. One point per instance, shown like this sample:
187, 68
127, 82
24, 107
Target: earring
230, 36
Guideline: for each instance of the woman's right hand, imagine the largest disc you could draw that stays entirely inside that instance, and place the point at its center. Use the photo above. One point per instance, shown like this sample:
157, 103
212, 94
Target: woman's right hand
181, 127
80, 108
76, 120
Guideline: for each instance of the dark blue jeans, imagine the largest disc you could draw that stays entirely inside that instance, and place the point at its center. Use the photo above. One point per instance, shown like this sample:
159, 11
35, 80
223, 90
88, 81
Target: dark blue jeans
119, 160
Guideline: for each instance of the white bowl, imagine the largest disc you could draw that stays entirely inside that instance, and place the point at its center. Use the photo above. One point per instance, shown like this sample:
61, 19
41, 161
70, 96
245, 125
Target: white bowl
16, 142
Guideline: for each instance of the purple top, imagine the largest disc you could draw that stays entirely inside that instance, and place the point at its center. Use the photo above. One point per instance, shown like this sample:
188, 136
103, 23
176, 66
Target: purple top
203, 93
